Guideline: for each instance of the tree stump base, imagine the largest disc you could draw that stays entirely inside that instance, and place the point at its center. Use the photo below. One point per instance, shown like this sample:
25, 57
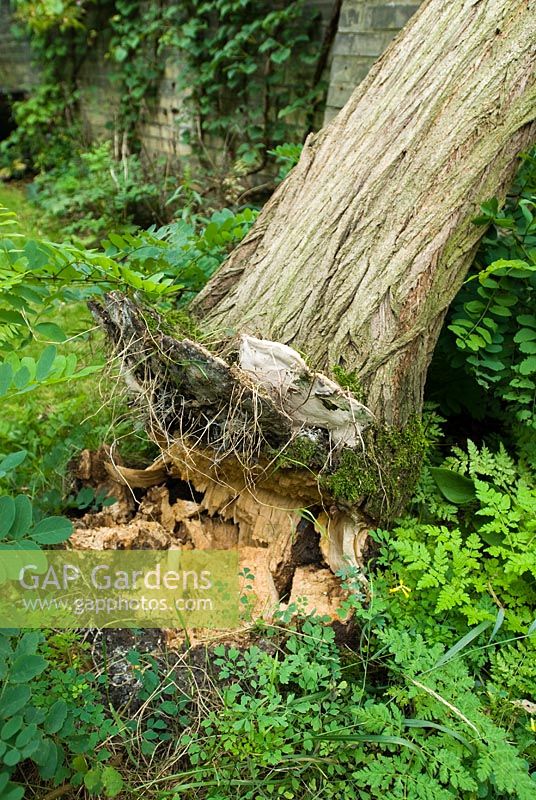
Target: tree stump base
231, 432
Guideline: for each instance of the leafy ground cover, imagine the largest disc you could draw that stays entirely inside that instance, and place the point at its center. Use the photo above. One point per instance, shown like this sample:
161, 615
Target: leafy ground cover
56, 423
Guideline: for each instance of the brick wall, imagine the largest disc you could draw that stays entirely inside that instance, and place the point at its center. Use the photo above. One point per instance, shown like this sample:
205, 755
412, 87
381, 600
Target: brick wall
365, 29
16, 71
166, 119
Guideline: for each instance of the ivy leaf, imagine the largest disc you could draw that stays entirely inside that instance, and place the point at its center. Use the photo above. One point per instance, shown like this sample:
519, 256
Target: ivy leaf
120, 54
525, 335
528, 366
279, 56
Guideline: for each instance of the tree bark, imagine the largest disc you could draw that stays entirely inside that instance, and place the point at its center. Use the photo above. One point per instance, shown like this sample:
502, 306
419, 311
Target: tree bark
359, 253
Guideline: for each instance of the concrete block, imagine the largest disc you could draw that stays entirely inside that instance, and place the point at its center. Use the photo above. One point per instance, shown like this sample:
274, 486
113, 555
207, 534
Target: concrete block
351, 15
350, 69
339, 93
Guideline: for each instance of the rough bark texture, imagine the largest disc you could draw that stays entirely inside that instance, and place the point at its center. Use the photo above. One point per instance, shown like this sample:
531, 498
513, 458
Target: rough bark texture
359, 253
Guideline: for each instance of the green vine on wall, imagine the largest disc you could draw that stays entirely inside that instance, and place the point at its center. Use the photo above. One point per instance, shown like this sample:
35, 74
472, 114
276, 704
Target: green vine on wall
248, 76
47, 122
248, 72
135, 48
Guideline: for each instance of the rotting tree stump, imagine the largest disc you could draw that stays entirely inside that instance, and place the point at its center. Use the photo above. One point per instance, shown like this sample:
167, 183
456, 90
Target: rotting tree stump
260, 437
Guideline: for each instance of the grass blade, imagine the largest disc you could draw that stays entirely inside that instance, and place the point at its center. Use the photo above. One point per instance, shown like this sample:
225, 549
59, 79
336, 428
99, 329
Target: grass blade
498, 622
368, 738
464, 641
424, 723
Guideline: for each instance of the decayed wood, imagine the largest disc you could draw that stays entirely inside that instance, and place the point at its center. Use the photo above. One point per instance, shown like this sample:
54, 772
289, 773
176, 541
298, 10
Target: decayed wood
186, 389
343, 539
138, 478
359, 253
193, 397
259, 404
268, 512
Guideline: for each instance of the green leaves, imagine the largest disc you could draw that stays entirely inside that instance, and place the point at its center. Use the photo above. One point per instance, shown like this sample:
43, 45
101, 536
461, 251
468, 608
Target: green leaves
492, 318
16, 525
455, 487
527, 366
52, 530
26, 667
103, 780
33, 279
56, 717
13, 699
244, 57
182, 255
49, 711
11, 462
18, 376
50, 331
480, 564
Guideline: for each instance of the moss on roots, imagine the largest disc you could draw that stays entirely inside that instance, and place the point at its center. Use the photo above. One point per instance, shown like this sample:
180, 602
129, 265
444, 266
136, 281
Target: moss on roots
379, 477
382, 475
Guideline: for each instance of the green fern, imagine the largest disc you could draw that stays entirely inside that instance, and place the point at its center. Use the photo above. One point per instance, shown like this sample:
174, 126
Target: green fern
482, 558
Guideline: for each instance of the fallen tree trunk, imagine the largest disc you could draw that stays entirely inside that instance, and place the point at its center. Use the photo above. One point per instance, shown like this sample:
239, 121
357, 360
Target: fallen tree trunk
353, 261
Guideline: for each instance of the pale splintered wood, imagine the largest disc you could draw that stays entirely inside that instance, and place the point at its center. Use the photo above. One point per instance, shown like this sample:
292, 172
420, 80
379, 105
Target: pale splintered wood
359, 253
267, 512
177, 377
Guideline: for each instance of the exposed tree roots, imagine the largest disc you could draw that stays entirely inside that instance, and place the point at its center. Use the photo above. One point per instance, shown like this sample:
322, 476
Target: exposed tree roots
253, 439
